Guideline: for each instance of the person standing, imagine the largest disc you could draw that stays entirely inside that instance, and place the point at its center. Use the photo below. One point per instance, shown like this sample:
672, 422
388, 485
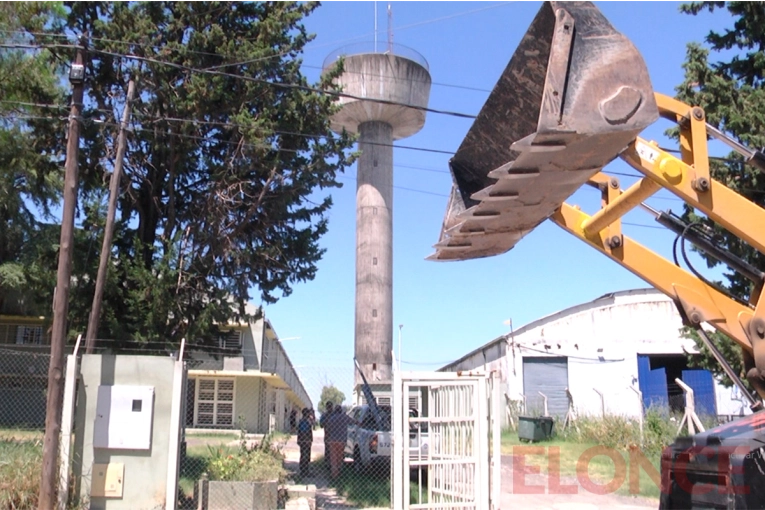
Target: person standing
305, 440
337, 430
328, 408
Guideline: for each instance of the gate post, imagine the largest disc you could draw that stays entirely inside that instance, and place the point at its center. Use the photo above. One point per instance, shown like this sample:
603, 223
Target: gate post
397, 425
496, 457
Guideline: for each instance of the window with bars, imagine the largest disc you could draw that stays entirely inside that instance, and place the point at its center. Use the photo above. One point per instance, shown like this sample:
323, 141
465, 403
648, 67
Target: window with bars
215, 402
29, 335
231, 340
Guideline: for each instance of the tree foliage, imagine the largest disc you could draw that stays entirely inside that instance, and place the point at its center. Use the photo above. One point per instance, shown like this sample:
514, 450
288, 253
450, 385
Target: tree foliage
229, 167
29, 170
729, 86
330, 393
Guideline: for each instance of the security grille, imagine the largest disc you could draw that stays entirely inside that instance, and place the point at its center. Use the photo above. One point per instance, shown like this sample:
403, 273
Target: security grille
215, 402
232, 340
448, 442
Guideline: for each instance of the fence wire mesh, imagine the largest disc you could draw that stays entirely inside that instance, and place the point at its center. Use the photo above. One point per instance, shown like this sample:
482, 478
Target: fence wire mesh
252, 437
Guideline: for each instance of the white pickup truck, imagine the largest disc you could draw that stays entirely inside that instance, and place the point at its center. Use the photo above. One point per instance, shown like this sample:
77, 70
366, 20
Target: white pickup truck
369, 446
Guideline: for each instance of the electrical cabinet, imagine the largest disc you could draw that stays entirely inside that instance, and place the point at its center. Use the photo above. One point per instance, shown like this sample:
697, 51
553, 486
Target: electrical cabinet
124, 417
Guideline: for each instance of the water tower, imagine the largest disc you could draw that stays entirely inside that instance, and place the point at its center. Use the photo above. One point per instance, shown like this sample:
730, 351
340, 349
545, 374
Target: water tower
385, 86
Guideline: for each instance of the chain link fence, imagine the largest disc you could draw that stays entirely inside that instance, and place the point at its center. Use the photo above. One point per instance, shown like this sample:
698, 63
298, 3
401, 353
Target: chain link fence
251, 438
330, 455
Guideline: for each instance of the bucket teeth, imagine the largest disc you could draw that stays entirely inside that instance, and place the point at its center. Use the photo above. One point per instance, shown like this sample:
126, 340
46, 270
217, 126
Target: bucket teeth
491, 194
508, 171
458, 230
575, 93
451, 244
476, 214
527, 145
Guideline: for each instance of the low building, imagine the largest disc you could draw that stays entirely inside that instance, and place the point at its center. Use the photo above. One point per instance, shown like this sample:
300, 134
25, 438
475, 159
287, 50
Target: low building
600, 354
248, 380
250, 383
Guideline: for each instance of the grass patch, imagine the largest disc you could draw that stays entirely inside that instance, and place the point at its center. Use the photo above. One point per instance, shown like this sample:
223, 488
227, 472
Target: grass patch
608, 449
22, 434
20, 472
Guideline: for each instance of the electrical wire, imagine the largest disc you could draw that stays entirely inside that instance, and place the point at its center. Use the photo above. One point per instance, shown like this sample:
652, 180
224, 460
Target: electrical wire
211, 71
571, 356
292, 86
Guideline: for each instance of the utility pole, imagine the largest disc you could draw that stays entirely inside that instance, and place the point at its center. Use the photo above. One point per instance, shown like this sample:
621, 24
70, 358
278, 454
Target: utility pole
48, 484
106, 248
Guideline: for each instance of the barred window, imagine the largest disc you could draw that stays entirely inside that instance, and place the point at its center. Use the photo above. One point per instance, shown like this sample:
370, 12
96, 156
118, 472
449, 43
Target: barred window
214, 404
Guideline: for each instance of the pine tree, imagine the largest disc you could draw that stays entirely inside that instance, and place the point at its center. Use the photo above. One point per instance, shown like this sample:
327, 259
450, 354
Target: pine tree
224, 171
731, 92
229, 168
30, 181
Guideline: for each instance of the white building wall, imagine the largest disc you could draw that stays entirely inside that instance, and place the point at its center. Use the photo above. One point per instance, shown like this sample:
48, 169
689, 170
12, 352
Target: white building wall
602, 340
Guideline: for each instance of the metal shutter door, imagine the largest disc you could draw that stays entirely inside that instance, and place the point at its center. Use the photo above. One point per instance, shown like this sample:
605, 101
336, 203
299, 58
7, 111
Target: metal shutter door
548, 375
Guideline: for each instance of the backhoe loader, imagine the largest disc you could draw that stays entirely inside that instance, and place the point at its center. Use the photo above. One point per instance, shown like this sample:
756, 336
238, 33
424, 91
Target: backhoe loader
575, 96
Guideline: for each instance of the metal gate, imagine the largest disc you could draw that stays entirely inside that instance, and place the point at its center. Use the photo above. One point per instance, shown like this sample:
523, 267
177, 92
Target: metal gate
453, 441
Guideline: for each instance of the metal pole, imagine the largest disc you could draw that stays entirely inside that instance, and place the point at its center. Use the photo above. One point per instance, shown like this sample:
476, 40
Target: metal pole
399, 345
106, 247
55, 396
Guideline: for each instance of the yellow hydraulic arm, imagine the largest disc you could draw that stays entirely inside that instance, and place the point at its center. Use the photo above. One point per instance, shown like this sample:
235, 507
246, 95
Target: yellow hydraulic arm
575, 93
687, 177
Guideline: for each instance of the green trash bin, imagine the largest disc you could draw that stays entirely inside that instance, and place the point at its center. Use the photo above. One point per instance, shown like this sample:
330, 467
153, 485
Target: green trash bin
535, 429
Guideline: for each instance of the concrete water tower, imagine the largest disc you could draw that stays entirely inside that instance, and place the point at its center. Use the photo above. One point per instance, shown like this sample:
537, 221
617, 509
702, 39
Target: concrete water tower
385, 86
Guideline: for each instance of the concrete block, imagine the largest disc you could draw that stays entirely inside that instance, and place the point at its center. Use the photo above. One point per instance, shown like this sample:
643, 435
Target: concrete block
299, 504
219, 495
302, 492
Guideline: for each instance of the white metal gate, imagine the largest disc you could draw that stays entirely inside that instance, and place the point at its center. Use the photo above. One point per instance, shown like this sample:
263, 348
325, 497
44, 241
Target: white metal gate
453, 441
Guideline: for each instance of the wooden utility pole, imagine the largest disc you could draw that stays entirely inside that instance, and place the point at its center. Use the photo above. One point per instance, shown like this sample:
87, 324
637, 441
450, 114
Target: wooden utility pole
50, 471
106, 248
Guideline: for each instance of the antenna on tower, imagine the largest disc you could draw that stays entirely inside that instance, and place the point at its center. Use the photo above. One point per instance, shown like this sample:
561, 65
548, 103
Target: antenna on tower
390, 29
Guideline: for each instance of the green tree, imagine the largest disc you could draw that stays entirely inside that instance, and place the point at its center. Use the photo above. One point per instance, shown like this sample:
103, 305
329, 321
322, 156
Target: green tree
330, 393
29, 170
229, 165
730, 89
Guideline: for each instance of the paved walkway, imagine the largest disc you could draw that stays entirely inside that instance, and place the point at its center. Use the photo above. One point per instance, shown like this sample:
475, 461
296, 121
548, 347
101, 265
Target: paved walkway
327, 497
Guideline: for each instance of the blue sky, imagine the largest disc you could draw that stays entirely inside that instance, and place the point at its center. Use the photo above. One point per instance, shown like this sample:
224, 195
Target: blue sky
448, 309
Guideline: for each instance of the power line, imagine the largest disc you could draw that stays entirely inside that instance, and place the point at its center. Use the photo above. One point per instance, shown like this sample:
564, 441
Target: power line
293, 86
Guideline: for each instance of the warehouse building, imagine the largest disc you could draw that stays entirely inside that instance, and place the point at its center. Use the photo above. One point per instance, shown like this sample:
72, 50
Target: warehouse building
599, 355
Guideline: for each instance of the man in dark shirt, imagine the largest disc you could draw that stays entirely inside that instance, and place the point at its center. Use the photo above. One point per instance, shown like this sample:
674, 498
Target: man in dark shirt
336, 433
305, 439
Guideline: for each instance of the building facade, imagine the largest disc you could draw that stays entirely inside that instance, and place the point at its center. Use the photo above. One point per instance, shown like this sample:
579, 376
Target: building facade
250, 383
599, 355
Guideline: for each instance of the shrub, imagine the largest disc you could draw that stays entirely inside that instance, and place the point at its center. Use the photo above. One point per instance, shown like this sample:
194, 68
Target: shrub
620, 432
260, 462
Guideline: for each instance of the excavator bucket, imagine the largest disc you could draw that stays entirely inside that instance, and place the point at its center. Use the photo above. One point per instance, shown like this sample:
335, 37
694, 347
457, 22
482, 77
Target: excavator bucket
574, 95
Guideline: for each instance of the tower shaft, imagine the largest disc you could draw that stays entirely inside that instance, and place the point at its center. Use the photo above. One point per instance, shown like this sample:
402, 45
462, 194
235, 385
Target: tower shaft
374, 251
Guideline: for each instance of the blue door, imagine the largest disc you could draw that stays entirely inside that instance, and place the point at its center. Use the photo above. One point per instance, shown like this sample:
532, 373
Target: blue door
652, 383
703, 387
